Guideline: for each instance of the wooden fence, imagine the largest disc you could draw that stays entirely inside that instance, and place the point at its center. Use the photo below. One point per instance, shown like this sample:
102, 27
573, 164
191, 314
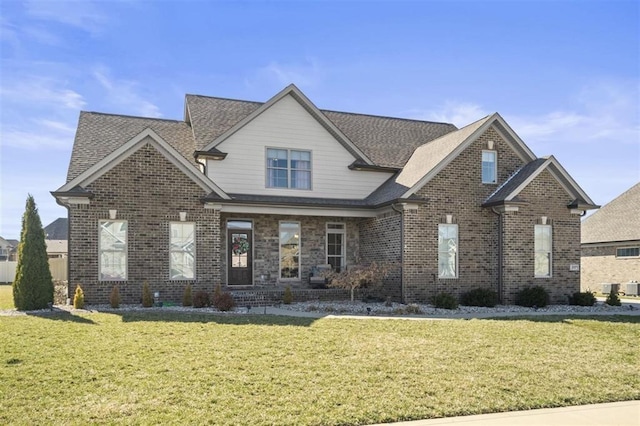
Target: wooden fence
57, 266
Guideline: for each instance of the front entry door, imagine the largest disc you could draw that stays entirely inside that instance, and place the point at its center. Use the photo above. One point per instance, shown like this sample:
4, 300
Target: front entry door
239, 258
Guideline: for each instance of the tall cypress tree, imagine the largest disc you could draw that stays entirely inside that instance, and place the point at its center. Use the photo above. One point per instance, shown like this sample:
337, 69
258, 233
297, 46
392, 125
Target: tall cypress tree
33, 285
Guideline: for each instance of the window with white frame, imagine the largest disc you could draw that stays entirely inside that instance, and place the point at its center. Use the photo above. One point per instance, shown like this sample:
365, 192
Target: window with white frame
182, 250
289, 250
628, 252
543, 249
447, 250
288, 168
336, 252
489, 166
113, 250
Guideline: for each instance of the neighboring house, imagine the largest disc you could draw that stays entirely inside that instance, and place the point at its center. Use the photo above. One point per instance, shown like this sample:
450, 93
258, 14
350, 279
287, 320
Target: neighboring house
8, 250
611, 243
56, 248
254, 195
57, 230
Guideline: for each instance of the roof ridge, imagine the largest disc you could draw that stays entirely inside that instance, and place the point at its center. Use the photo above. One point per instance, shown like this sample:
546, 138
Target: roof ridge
222, 98
132, 116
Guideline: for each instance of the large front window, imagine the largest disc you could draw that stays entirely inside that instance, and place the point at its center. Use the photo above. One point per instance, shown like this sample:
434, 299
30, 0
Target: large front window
113, 250
183, 251
336, 246
542, 261
447, 251
288, 168
289, 250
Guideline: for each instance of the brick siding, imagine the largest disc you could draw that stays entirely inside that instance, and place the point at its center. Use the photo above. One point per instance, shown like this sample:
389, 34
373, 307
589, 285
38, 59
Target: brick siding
599, 265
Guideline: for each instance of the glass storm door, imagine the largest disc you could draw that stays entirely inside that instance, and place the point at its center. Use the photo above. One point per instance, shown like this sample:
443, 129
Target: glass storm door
239, 257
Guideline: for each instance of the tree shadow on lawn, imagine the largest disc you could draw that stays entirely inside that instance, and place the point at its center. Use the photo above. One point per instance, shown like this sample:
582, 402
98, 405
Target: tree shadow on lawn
229, 319
61, 315
631, 319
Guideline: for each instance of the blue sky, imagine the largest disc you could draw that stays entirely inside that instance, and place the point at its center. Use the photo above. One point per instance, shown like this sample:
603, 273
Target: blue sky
565, 75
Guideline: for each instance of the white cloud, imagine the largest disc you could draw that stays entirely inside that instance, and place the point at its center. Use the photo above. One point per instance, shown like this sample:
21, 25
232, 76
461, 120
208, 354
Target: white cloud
124, 94
83, 14
41, 92
306, 74
37, 138
42, 35
458, 113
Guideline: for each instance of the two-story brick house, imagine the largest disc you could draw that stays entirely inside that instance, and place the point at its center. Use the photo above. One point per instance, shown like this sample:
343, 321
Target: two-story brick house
253, 195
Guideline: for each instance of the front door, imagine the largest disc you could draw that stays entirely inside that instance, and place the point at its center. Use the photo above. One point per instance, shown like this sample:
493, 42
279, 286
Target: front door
239, 258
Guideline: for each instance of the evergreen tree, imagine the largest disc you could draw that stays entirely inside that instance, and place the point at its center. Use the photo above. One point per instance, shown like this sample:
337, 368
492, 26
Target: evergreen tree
33, 285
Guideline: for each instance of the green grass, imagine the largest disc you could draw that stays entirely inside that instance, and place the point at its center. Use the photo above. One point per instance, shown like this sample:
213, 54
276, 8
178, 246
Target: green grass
6, 296
173, 368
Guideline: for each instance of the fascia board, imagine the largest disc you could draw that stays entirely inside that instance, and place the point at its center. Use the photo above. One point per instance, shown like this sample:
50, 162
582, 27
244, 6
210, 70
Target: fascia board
308, 106
127, 149
449, 158
527, 181
511, 136
567, 178
289, 210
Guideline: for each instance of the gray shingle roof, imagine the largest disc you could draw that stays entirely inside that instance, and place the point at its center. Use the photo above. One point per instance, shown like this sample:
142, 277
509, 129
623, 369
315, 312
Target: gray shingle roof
514, 181
57, 230
100, 134
617, 221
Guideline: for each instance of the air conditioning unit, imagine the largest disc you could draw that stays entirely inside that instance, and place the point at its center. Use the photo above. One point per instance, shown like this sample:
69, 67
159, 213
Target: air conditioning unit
632, 288
608, 287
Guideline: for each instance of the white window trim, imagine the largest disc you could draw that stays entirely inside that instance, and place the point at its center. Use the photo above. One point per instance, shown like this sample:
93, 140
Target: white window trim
626, 257
195, 247
126, 252
495, 166
298, 278
289, 169
457, 271
342, 231
550, 274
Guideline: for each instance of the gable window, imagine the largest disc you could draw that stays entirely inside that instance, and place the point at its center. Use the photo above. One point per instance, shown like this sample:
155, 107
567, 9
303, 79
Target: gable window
288, 168
113, 250
182, 250
290, 250
336, 246
628, 252
543, 249
489, 169
447, 251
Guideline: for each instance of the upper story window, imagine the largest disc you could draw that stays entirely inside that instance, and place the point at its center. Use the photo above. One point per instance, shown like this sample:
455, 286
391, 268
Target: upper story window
543, 249
113, 250
288, 168
628, 252
489, 167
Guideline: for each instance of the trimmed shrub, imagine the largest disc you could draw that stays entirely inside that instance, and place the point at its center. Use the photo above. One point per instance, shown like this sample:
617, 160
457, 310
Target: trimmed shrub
187, 300
201, 299
445, 301
586, 298
78, 298
222, 300
114, 297
533, 297
480, 297
287, 297
147, 297
613, 299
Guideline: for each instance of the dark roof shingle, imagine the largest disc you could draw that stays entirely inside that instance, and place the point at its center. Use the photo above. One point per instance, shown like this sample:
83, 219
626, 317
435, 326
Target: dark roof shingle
617, 221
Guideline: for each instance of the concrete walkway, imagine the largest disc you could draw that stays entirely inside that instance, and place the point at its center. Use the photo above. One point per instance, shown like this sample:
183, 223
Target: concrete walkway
625, 413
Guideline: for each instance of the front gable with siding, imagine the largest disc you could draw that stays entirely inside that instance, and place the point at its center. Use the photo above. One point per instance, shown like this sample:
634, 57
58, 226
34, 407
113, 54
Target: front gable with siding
381, 189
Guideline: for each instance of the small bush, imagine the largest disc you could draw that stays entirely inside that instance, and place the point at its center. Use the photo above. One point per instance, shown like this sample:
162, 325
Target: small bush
445, 301
114, 297
201, 299
147, 297
586, 298
78, 298
480, 297
613, 299
533, 297
187, 300
224, 302
287, 297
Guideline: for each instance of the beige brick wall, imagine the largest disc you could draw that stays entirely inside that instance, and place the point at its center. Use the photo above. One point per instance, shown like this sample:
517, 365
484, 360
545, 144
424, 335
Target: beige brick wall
599, 265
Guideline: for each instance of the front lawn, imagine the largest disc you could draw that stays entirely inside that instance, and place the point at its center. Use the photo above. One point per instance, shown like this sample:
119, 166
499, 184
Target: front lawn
6, 296
174, 368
